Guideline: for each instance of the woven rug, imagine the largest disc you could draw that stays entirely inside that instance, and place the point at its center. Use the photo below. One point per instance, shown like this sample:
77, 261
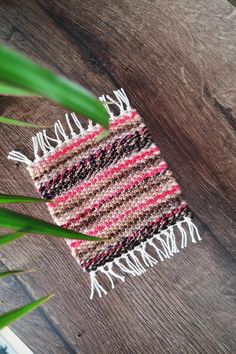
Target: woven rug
118, 188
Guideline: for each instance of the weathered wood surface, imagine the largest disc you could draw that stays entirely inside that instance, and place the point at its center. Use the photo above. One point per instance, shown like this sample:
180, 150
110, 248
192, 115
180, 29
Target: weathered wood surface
177, 62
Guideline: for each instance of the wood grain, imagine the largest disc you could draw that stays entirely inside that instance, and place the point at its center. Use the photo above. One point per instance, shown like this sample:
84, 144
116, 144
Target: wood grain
177, 62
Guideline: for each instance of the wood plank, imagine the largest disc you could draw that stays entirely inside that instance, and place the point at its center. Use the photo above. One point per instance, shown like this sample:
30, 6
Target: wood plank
176, 60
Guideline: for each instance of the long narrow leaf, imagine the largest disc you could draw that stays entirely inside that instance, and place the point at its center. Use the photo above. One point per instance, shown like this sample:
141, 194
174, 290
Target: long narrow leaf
5, 239
12, 220
102, 135
17, 70
9, 90
11, 121
7, 318
14, 272
10, 199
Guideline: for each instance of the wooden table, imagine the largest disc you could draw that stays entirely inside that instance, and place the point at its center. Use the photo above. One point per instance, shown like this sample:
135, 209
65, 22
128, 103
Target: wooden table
177, 62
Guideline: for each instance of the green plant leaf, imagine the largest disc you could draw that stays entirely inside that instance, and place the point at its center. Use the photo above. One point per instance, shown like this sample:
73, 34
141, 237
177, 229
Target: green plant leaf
10, 199
14, 272
8, 317
9, 90
11, 121
103, 135
12, 220
5, 239
19, 71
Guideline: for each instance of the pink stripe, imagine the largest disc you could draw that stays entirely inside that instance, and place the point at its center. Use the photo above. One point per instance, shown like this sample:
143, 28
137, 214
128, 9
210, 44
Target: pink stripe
157, 221
105, 174
113, 221
107, 198
80, 141
86, 161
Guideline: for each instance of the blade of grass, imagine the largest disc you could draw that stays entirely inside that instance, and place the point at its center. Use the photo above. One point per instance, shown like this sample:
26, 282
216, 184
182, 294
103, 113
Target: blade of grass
5, 239
12, 220
9, 90
7, 318
15, 272
19, 71
10, 199
11, 121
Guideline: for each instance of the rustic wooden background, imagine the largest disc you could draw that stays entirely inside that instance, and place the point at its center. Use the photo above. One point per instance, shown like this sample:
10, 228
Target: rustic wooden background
177, 63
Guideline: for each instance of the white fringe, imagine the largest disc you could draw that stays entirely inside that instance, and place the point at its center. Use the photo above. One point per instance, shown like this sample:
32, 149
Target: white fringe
164, 243
43, 145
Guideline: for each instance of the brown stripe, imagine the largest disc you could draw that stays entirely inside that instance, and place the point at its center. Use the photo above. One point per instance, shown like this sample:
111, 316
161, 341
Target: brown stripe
99, 191
37, 171
122, 246
125, 201
135, 222
97, 162
115, 228
106, 184
91, 249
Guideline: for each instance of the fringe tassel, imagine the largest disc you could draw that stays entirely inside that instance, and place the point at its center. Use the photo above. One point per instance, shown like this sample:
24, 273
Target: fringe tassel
18, 156
163, 243
44, 145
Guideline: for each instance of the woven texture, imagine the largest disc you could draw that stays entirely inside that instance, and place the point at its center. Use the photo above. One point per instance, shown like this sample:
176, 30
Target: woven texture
118, 188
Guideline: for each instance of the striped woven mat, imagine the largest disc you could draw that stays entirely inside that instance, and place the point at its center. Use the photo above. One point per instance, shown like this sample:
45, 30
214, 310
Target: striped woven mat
118, 188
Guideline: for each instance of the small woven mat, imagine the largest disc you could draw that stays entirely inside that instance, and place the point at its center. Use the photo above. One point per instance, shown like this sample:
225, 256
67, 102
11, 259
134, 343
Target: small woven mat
118, 188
